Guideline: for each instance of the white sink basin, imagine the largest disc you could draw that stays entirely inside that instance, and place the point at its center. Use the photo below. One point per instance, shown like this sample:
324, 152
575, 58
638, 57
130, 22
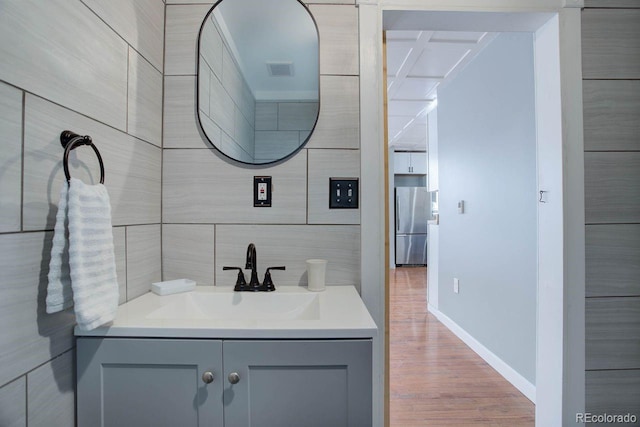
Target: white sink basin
240, 306
291, 312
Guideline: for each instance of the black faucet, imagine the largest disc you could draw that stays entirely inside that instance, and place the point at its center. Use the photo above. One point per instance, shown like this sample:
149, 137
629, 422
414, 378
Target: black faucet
254, 284
253, 265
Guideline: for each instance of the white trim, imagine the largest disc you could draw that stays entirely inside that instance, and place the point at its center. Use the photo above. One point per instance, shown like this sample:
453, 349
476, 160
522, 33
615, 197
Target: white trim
509, 374
372, 189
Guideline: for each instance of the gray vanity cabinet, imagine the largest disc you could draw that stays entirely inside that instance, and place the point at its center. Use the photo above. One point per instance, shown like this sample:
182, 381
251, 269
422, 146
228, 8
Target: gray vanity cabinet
298, 383
267, 383
124, 382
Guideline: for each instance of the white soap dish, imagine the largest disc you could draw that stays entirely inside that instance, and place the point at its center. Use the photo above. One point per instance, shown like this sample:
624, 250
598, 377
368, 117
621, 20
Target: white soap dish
173, 286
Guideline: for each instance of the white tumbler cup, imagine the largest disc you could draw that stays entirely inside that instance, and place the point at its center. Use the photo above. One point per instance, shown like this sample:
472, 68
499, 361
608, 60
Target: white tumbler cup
316, 270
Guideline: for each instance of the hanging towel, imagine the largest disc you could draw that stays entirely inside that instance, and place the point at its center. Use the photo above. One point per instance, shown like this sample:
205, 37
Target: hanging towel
82, 270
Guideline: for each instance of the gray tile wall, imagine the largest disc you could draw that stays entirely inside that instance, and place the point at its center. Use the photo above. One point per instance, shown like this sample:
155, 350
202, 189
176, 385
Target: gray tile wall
94, 67
208, 213
611, 77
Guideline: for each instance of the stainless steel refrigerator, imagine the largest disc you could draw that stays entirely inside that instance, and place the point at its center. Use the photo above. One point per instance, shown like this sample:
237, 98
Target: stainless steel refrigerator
412, 210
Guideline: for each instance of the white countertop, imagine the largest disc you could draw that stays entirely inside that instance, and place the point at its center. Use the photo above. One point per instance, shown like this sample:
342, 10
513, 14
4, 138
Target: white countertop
337, 312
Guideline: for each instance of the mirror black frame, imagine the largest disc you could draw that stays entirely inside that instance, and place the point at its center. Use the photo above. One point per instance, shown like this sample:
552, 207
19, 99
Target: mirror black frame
197, 98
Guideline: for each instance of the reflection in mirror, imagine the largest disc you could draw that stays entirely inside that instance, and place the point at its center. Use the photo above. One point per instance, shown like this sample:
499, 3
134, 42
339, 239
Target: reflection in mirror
258, 78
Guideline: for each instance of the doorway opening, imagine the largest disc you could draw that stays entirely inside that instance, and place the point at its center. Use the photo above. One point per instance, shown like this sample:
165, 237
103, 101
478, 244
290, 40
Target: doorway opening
543, 27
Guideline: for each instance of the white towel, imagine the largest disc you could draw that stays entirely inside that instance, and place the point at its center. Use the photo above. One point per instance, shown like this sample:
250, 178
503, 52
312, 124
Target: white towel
82, 270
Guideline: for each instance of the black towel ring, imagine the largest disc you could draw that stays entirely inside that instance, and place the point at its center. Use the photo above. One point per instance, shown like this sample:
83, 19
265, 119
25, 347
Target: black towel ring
70, 141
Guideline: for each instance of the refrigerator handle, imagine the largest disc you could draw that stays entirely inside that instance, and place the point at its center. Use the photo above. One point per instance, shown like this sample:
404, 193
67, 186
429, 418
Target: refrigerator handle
397, 216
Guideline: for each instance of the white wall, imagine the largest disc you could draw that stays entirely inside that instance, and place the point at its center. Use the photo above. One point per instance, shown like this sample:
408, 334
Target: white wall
487, 157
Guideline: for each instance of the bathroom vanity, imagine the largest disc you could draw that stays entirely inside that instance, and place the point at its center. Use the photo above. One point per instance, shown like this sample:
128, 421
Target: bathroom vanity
212, 357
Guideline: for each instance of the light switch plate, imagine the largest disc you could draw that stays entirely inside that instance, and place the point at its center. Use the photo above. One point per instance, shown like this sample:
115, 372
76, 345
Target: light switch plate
262, 191
343, 193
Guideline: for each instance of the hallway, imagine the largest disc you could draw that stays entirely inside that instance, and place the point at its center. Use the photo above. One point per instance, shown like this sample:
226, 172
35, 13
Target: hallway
436, 380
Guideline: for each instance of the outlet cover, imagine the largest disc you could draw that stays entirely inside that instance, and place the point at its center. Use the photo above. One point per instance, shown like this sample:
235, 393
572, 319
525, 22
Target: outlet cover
262, 191
343, 193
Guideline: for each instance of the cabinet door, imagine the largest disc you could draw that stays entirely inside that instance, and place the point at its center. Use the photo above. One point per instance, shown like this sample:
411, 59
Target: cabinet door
148, 382
298, 383
402, 163
419, 163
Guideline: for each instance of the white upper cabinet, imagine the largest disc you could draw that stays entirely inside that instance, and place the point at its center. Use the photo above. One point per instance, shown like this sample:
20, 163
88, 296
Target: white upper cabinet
412, 163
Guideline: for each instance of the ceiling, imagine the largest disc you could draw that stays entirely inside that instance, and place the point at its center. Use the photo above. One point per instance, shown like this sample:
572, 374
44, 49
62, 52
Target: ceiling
418, 62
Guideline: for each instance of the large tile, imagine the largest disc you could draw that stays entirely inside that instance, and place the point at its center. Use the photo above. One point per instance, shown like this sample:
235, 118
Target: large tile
211, 46
339, 122
10, 157
611, 111
613, 260
182, 26
188, 251
209, 2
266, 116
28, 335
120, 252
274, 145
132, 166
51, 395
144, 259
290, 246
612, 333
297, 115
13, 404
222, 107
330, 2
181, 128
613, 392
139, 22
144, 100
628, 4
611, 44
339, 42
204, 88
201, 187
62, 51
324, 164
612, 193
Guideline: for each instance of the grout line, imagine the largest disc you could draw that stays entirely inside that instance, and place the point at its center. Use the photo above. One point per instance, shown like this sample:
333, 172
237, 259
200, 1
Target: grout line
610, 79
215, 252
612, 369
126, 106
610, 223
611, 296
22, 136
26, 400
612, 151
164, 55
126, 264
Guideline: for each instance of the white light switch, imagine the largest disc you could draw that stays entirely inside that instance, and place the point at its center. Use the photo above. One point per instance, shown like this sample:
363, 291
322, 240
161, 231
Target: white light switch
456, 285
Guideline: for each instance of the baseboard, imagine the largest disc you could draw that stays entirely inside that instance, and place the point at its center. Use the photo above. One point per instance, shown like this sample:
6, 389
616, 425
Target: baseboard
517, 380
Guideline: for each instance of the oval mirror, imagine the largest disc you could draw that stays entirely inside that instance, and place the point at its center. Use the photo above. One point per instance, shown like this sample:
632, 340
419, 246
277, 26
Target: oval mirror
258, 78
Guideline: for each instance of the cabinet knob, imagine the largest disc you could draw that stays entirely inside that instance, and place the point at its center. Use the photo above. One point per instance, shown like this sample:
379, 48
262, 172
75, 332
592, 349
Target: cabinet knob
234, 378
207, 377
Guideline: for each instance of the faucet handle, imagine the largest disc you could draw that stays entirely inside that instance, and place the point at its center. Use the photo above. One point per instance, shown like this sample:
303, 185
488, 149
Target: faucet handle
267, 283
241, 283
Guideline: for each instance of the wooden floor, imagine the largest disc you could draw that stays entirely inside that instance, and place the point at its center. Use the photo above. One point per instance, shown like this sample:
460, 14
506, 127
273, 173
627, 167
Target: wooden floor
436, 380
